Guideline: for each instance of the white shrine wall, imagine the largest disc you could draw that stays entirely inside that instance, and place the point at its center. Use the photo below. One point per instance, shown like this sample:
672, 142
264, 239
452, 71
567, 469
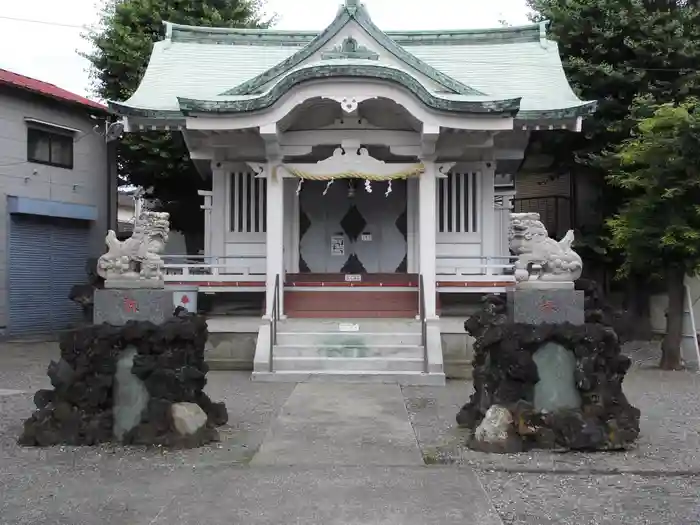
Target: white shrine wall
469, 224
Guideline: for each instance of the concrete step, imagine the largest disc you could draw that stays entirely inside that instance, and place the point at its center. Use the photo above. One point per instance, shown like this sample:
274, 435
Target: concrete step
353, 339
349, 326
343, 376
348, 350
351, 364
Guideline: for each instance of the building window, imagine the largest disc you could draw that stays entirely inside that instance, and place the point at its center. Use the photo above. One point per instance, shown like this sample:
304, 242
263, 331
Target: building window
45, 147
248, 203
457, 203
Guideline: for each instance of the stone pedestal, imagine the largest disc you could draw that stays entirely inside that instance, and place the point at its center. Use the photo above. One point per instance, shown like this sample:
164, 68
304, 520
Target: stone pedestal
116, 307
546, 306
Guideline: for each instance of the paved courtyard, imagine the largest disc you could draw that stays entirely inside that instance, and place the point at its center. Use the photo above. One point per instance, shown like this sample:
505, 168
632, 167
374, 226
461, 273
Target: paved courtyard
351, 454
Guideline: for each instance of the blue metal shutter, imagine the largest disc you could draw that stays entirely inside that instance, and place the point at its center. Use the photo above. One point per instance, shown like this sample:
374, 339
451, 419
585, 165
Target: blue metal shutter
47, 257
30, 275
70, 248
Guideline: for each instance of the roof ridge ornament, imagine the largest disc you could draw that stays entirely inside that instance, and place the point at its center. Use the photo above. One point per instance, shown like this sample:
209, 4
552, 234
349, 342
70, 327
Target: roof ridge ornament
352, 5
355, 11
349, 48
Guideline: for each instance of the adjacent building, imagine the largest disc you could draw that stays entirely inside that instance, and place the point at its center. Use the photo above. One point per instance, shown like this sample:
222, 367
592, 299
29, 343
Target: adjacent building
57, 198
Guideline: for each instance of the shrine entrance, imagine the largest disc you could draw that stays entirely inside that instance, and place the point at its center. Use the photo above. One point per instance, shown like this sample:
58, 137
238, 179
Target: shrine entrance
346, 229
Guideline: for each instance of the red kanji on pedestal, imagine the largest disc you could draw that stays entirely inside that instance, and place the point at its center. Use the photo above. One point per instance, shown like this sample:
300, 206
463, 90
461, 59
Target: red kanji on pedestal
185, 299
130, 305
549, 306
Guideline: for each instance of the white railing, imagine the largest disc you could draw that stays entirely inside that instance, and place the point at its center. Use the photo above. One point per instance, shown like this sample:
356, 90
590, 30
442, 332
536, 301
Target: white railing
197, 268
472, 267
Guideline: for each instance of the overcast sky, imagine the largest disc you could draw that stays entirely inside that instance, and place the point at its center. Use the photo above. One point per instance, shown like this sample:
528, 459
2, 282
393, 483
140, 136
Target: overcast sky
41, 38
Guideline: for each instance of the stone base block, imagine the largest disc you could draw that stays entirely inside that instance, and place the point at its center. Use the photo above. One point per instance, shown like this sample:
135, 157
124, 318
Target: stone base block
116, 307
551, 306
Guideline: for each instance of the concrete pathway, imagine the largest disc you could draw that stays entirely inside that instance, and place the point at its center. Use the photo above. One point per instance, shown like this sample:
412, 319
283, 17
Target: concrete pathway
341, 424
247, 496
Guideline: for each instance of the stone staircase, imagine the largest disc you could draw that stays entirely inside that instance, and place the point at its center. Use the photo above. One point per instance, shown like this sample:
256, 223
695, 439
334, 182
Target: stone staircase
349, 350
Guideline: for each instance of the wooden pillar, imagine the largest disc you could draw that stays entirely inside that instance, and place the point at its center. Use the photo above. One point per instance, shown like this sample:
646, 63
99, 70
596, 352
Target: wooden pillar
274, 241
220, 206
490, 238
206, 206
427, 233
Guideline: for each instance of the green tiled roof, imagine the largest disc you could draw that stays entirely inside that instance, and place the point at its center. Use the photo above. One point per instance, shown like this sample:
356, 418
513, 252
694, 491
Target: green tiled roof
342, 68
234, 70
347, 13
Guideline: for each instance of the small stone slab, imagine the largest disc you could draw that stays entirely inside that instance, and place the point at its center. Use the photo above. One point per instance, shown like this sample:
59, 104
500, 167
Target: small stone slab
117, 307
546, 306
130, 395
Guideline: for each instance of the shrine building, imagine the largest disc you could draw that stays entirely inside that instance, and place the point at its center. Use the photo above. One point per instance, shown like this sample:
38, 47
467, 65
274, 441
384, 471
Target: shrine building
355, 173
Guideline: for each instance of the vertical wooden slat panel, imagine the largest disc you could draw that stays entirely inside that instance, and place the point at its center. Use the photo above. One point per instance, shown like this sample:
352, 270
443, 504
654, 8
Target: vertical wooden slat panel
239, 202
455, 190
260, 210
248, 203
263, 198
234, 202
439, 205
245, 193
457, 203
252, 201
466, 200
475, 201
445, 204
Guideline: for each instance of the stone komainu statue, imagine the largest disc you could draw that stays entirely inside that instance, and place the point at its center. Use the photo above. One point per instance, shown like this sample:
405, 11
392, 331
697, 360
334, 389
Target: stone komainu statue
539, 257
136, 262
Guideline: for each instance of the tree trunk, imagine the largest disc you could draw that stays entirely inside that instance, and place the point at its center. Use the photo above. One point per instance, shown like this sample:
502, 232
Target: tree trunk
637, 303
671, 346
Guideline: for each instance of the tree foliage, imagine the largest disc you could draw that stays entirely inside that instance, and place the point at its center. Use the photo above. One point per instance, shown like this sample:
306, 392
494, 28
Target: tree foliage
122, 46
615, 51
658, 229
659, 167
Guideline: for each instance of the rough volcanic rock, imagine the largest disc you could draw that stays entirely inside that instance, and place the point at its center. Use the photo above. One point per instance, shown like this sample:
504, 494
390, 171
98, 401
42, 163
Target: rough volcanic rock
169, 362
505, 374
599, 310
84, 294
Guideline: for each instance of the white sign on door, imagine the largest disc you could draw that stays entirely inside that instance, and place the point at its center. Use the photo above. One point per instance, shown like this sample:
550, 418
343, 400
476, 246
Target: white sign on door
337, 245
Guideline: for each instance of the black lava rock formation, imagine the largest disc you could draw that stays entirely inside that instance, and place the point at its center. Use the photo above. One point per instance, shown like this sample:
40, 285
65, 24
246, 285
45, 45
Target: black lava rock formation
169, 361
505, 374
84, 294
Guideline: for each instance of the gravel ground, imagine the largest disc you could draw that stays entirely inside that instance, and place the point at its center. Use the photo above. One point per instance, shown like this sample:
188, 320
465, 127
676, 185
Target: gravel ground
670, 424
251, 406
544, 499
655, 483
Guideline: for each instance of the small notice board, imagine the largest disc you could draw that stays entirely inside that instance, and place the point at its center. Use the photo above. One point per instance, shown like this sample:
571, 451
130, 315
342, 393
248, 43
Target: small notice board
337, 245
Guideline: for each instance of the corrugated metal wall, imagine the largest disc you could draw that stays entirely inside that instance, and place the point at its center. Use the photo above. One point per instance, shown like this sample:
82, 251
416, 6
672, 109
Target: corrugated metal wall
47, 257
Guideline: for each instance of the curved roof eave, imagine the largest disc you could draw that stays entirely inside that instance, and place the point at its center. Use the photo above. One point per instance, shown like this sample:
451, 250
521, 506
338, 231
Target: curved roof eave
509, 106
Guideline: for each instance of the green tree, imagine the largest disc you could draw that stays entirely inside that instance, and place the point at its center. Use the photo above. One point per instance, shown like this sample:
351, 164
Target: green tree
122, 46
615, 51
658, 229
